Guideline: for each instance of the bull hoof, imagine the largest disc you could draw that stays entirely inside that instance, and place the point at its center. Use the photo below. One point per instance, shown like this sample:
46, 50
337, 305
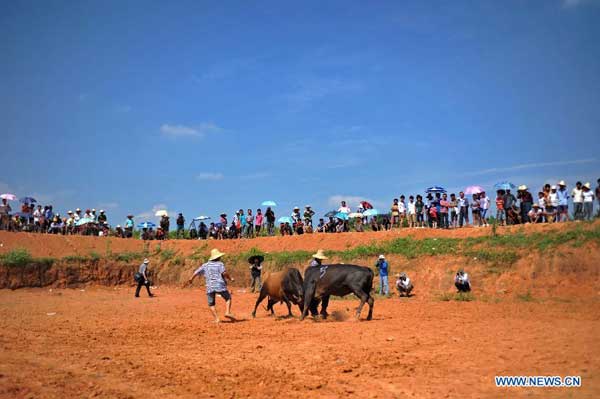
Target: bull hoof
253, 315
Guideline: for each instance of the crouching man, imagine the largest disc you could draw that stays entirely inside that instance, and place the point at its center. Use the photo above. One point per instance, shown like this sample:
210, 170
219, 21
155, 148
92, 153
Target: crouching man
404, 285
215, 276
461, 281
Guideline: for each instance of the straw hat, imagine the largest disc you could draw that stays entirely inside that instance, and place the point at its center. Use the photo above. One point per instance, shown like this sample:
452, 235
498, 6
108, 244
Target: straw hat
562, 183
215, 254
522, 187
587, 185
320, 255
146, 261
381, 257
536, 205
553, 188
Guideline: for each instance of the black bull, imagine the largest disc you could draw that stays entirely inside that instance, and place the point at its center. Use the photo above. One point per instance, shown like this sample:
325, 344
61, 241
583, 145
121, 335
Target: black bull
338, 280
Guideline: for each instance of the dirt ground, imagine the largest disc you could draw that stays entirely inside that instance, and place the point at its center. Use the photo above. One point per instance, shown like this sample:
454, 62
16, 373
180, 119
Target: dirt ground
103, 342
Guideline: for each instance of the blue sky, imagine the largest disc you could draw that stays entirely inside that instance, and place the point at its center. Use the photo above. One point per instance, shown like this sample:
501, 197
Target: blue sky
205, 107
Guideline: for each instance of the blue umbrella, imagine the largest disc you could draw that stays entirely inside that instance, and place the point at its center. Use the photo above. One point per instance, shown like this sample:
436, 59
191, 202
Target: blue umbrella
285, 219
504, 185
269, 203
83, 221
146, 225
331, 214
27, 200
435, 189
341, 215
371, 212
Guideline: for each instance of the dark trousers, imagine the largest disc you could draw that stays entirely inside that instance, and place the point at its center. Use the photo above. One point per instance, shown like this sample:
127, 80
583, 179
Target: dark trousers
443, 221
139, 287
525, 208
463, 216
462, 287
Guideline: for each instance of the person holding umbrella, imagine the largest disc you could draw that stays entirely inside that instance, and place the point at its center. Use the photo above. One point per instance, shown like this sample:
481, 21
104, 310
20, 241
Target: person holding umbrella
128, 226
270, 216
255, 272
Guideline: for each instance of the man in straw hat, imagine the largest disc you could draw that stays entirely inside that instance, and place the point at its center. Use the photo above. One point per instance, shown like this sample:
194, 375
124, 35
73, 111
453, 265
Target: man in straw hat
526, 202
317, 260
383, 268
563, 201
215, 276
588, 201
141, 277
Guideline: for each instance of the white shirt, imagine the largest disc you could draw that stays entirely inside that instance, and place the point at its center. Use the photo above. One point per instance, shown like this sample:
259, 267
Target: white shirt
554, 199
542, 203
37, 214
344, 209
404, 283
411, 208
577, 195
401, 207
588, 196
484, 203
464, 279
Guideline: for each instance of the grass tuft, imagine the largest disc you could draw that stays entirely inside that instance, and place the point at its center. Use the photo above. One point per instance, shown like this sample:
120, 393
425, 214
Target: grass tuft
16, 257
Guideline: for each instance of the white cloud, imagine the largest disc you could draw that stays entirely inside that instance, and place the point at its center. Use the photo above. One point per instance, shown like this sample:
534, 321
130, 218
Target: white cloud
199, 130
107, 205
530, 166
147, 215
210, 176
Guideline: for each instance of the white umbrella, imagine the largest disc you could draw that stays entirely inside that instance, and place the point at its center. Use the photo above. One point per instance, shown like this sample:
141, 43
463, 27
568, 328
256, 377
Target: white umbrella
355, 215
9, 197
202, 217
161, 212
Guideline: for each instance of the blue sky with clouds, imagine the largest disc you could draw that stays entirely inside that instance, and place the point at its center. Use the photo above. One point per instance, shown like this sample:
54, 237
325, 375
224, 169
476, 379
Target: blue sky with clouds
205, 107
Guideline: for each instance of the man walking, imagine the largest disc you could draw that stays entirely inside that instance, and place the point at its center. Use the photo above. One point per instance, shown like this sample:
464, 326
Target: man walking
141, 277
382, 267
215, 276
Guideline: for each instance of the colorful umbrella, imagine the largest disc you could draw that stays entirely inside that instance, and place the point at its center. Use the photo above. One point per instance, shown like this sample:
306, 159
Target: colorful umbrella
474, 190
341, 215
9, 197
161, 212
504, 185
83, 221
371, 212
330, 214
285, 219
435, 189
366, 205
27, 200
146, 225
269, 203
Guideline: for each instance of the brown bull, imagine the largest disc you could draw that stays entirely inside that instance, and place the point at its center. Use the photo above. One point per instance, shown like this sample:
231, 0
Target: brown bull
284, 286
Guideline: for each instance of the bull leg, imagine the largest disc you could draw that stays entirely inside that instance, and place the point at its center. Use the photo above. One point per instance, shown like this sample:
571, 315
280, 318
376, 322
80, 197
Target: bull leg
308, 299
289, 306
363, 298
314, 307
270, 306
324, 305
371, 302
261, 297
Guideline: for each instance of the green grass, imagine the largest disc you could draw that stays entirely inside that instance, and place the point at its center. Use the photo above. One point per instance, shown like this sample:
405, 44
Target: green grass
75, 258
16, 257
166, 255
178, 260
21, 257
128, 256
527, 297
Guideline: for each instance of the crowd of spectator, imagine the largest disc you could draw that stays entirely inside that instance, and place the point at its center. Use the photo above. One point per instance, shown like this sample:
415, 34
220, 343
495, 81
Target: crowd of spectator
437, 209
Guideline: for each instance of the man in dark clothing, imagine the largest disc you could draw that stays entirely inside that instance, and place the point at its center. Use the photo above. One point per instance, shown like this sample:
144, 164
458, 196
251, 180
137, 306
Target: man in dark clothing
526, 202
509, 202
180, 225
255, 272
141, 277
270, 215
463, 209
164, 224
